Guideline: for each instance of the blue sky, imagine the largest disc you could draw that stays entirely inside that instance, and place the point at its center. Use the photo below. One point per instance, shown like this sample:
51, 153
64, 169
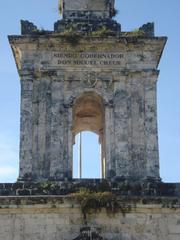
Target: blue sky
132, 14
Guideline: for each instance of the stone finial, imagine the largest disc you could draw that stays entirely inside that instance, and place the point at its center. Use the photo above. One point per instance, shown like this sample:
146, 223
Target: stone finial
27, 27
148, 29
87, 16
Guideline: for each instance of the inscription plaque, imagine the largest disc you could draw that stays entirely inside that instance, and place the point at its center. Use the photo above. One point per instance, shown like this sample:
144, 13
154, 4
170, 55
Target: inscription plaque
100, 59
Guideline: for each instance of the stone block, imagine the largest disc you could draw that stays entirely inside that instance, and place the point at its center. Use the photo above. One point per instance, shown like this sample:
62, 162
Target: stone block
86, 5
85, 9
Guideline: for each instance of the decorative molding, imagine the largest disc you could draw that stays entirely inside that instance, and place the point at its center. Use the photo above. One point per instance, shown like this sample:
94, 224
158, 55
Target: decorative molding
90, 78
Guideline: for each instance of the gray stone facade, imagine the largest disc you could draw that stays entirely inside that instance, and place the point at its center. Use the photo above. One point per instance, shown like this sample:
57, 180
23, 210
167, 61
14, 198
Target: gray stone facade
64, 74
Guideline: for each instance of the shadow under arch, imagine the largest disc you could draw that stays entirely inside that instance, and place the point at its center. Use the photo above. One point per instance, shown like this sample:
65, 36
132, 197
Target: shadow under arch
88, 115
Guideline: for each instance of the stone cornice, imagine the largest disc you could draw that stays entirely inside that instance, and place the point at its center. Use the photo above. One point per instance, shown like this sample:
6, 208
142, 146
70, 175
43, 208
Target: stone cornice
41, 203
37, 38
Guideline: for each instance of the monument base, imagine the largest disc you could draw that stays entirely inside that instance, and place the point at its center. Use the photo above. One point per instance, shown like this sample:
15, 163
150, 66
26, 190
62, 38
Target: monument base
61, 217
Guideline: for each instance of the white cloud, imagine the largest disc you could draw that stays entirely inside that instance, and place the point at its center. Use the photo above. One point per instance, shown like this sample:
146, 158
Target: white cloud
8, 159
8, 174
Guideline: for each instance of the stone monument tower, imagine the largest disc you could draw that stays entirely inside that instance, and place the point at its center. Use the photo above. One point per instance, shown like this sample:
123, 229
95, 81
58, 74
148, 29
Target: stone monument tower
88, 75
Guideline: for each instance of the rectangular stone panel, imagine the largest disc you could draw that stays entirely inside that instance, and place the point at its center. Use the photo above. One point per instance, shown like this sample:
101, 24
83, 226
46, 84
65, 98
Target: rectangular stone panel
85, 5
88, 59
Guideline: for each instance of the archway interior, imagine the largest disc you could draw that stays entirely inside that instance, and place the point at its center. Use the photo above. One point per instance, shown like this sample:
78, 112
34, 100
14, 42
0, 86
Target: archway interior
88, 116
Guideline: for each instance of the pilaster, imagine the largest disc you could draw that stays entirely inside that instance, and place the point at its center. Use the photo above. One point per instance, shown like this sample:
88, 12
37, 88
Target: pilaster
151, 128
58, 132
26, 126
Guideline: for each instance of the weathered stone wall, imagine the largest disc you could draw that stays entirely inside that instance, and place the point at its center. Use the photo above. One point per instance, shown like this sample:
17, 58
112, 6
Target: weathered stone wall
87, 9
55, 73
59, 218
83, 5
122, 187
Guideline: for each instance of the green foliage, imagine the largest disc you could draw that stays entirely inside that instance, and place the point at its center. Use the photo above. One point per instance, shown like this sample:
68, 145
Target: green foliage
95, 201
134, 33
72, 38
104, 31
47, 185
39, 31
71, 35
60, 6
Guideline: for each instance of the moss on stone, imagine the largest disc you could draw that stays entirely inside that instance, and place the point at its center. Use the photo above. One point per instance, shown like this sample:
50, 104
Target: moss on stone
102, 32
134, 33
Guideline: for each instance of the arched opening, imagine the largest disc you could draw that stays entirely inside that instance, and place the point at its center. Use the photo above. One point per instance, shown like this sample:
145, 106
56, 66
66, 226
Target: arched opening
87, 156
88, 122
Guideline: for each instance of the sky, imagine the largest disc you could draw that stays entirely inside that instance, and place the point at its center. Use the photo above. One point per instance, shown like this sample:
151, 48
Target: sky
131, 14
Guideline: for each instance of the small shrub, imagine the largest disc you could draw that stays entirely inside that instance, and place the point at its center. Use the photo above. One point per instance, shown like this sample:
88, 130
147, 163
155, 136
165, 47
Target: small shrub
135, 33
71, 36
46, 186
95, 201
104, 31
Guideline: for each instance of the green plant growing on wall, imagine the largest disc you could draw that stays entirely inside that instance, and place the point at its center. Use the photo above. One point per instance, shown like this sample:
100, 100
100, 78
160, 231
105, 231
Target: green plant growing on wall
104, 31
39, 31
72, 38
135, 33
47, 186
94, 201
60, 6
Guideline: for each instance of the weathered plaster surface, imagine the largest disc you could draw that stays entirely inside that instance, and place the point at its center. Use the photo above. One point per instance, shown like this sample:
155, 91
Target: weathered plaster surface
54, 74
57, 218
87, 8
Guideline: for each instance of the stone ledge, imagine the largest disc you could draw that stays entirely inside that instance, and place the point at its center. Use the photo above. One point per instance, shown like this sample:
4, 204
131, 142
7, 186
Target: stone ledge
48, 203
60, 37
48, 217
120, 187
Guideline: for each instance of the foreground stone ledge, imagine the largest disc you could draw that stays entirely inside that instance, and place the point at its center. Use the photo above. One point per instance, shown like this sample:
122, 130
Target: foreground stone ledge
21, 39
57, 203
61, 218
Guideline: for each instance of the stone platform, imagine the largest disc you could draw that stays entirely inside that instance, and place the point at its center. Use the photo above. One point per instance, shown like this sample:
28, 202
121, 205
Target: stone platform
61, 218
100, 209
